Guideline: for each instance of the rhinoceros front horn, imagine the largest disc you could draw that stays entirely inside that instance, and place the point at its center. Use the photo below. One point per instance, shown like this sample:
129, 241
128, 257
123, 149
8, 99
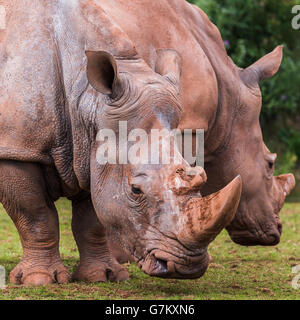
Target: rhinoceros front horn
204, 218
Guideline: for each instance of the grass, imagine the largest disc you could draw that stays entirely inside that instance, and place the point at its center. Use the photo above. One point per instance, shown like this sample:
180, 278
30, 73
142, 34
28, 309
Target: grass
235, 273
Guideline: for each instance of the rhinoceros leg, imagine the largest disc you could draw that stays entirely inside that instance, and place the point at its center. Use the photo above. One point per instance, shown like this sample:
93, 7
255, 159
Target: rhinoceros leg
24, 195
117, 252
96, 261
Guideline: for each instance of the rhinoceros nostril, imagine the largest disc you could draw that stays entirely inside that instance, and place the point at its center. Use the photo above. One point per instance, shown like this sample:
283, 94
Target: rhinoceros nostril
272, 239
187, 179
279, 226
198, 181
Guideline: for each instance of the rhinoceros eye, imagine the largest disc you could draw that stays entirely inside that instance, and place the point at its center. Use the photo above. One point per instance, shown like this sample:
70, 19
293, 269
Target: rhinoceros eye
136, 190
271, 164
271, 158
270, 169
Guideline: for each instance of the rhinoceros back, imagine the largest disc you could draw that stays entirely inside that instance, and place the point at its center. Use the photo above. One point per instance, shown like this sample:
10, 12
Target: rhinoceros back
31, 96
43, 74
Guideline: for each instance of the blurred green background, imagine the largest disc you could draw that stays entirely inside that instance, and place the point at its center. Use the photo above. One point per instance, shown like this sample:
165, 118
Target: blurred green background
250, 29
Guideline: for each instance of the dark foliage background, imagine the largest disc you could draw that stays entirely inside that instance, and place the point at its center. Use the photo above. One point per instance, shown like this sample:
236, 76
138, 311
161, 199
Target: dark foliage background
251, 29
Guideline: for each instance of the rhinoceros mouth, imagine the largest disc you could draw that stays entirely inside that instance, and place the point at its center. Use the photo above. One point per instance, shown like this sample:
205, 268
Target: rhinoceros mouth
160, 263
154, 266
248, 239
269, 237
251, 228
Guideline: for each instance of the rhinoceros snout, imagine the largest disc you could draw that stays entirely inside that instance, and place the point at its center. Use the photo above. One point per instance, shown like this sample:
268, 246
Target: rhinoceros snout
165, 265
186, 180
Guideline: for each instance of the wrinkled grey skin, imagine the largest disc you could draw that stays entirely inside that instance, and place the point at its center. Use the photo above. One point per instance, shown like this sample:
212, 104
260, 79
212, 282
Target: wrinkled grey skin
43, 71
54, 98
220, 98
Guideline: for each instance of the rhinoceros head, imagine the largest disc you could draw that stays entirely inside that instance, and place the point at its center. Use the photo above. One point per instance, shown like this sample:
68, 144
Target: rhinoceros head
155, 211
257, 220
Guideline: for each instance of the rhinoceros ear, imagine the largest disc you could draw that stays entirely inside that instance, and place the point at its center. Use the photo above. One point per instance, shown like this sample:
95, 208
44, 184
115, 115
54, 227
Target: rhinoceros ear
102, 71
264, 68
169, 65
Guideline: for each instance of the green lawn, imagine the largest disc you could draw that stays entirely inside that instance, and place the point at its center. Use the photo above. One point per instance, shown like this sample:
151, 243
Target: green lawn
236, 272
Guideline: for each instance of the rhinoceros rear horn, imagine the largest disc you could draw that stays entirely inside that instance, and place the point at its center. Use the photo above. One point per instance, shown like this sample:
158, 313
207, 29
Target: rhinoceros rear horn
264, 68
169, 65
204, 218
102, 71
